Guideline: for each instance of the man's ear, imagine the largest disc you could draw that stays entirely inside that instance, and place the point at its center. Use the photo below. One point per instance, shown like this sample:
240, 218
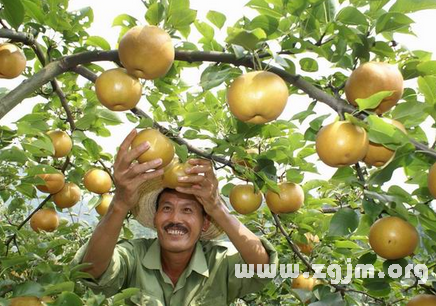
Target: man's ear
206, 223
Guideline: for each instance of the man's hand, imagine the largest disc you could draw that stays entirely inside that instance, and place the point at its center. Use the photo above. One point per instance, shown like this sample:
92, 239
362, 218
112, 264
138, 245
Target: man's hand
129, 175
204, 184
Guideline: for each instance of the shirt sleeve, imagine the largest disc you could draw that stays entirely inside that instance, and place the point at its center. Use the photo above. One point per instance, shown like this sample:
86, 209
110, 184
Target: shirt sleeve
120, 266
239, 287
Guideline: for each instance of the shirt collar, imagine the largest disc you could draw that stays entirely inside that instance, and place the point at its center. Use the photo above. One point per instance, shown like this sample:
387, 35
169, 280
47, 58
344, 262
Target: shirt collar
198, 261
152, 257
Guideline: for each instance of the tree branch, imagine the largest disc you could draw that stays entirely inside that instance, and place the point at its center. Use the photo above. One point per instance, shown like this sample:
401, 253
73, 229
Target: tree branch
309, 266
14, 236
10, 100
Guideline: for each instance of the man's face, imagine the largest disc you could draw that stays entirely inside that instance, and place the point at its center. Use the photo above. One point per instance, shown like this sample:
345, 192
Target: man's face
179, 221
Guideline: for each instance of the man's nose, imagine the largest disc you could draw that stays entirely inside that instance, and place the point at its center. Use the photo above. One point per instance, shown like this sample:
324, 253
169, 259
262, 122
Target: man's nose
175, 216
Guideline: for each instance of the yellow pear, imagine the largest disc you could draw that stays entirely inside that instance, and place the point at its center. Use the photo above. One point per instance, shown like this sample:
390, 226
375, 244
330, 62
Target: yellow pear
257, 97
146, 52
61, 142
54, 182
98, 181
12, 61
160, 146
117, 90
372, 77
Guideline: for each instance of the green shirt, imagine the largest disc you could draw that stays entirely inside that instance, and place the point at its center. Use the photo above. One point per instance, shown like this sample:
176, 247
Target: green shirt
209, 278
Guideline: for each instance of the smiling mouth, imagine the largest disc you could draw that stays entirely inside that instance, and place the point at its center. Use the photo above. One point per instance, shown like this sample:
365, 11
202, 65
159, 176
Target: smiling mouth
176, 230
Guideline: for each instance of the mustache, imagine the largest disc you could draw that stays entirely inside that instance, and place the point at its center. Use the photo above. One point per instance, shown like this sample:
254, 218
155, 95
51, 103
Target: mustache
175, 226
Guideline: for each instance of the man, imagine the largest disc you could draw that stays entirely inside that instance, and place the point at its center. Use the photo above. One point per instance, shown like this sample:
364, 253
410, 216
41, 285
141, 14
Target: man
182, 266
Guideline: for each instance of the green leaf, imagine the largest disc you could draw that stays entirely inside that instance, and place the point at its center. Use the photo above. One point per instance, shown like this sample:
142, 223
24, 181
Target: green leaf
59, 288
33, 10
13, 12
409, 6
427, 68
344, 222
92, 148
374, 100
427, 85
385, 133
99, 42
267, 23
155, 13
205, 30
181, 152
264, 8
213, 76
109, 117
28, 289
13, 155
352, 16
309, 64
218, 19
86, 121
347, 245
12, 261
377, 286
124, 294
390, 22
182, 18
68, 299
125, 21
245, 38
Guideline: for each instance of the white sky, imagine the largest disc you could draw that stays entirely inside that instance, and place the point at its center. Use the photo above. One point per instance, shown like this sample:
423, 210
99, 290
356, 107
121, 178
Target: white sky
106, 11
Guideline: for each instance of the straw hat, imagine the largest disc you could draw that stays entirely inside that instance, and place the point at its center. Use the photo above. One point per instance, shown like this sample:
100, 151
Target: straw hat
146, 208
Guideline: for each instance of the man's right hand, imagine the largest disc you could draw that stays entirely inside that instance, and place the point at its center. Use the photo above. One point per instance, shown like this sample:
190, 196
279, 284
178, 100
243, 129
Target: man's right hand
129, 174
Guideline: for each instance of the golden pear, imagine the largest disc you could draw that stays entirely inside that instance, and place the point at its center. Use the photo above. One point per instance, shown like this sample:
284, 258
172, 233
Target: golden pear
423, 300
341, 144
68, 196
393, 238
54, 182
172, 173
98, 181
311, 241
431, 180
117, 90
12, 61
290, 199
45, 219
257, 97
160, 146
103, 207
61, 142
146, 52
25, 301
372, 77
378, 155
304, 283
244, 200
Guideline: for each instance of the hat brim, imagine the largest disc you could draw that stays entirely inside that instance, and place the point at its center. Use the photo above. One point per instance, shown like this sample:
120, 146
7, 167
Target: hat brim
146, 209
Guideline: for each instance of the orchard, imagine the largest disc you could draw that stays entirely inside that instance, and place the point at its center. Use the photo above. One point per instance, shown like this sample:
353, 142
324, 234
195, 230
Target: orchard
319, 123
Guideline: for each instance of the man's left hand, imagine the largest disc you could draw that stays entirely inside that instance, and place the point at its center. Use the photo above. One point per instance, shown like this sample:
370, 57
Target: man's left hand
204, 184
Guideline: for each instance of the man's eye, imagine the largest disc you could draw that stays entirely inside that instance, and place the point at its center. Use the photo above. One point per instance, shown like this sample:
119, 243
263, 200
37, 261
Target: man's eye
188, 210
165, 208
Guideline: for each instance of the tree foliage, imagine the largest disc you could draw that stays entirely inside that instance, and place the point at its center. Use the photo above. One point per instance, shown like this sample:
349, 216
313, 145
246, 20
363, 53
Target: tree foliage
284, 37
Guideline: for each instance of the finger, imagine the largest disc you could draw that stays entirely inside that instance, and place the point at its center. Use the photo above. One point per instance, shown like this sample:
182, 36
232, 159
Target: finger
136, 152
144, 167
194, 179
191, 190
198, 169
124, 147
150, 175
199, 161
